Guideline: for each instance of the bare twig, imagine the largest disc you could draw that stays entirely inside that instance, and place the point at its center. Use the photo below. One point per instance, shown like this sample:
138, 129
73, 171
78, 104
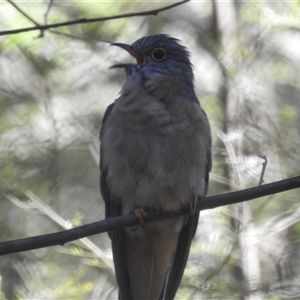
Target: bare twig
60, 238
47, 12
84, 20
23, 13
264, 166
72, 36
26, 16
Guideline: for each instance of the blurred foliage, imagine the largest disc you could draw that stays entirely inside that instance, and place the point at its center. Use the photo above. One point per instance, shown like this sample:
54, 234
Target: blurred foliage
53, 93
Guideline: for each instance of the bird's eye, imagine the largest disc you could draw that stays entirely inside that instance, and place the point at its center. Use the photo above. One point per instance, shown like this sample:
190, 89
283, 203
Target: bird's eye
159, 54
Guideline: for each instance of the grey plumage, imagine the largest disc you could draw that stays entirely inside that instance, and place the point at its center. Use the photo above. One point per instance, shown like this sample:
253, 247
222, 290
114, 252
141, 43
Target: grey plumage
155, 155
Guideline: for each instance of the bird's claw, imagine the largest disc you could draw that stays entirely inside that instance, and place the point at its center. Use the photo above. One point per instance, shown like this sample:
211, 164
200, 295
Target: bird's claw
140, 214
190, 209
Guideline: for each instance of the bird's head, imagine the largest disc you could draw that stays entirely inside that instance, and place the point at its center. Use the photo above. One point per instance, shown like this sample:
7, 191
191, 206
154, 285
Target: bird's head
159, 55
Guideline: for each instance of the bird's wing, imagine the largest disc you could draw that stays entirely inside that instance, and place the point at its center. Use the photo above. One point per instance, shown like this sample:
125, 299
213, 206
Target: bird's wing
184, 243
103, 167
180, 258
113, 209
121, 274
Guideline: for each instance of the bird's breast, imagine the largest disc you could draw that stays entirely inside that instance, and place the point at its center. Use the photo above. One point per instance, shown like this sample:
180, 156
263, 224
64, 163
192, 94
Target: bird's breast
154, 156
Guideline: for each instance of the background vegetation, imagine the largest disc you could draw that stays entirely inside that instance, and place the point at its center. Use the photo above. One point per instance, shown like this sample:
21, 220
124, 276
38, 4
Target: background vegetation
53, 93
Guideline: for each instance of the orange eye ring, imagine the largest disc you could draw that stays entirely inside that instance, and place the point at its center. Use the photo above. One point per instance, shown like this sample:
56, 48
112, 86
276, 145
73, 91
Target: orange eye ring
159, 54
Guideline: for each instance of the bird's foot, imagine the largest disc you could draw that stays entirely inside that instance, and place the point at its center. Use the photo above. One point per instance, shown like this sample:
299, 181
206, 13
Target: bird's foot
189, 210
140, 214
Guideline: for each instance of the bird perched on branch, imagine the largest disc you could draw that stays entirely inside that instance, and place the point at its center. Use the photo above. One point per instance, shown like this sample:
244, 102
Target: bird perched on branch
155, 156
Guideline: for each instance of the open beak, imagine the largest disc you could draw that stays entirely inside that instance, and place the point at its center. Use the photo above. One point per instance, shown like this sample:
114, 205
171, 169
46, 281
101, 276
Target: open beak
139, 58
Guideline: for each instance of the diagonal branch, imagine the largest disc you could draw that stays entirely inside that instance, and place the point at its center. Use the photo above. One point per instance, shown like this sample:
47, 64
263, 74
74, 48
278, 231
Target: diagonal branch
62, 237
47, 12
26, 16
23, 12
153, 12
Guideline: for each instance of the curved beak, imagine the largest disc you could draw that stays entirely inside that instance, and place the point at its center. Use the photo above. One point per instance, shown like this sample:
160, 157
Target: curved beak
139, 58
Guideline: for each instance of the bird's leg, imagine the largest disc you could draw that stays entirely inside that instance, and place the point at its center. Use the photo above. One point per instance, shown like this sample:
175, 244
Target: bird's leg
190, 208
140, 214
189, 211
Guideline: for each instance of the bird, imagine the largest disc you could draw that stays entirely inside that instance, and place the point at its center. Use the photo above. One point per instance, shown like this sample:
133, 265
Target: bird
155, 156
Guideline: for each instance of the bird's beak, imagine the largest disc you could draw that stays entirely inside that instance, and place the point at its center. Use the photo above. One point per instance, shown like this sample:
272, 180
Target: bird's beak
139, 58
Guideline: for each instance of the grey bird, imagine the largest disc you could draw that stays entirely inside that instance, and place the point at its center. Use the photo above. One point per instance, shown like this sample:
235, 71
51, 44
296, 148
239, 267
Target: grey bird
155, 156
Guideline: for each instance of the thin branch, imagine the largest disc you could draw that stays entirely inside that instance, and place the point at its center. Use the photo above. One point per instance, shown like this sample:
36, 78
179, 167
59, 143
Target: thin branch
23, 13
264, 166
84, 20
47, 12
26, 16
72, 36
60, 238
